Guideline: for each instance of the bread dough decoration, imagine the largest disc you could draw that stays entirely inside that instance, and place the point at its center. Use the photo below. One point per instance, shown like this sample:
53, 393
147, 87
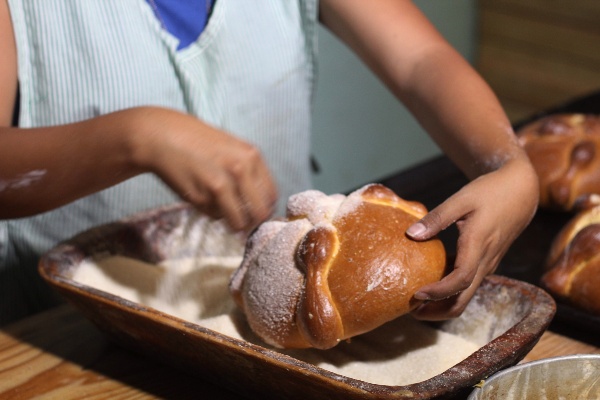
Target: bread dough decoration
573, 263
565, 152
334, 268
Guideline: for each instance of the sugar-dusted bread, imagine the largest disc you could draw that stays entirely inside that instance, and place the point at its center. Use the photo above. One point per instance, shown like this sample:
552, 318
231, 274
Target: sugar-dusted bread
336, 267
565, 152
573, 264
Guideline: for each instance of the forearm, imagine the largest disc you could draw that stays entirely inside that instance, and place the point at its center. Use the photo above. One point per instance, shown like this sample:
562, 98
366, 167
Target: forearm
44, 168
461, 113
440, 88
223, 176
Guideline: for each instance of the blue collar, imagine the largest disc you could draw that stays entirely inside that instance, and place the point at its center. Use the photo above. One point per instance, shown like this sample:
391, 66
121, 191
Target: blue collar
184, 19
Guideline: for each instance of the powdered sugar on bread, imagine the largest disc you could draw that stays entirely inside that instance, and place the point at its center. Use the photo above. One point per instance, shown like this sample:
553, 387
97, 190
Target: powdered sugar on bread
274, 285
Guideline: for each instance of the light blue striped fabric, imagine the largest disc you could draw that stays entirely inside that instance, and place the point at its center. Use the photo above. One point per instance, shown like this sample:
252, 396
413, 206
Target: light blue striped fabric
251, 72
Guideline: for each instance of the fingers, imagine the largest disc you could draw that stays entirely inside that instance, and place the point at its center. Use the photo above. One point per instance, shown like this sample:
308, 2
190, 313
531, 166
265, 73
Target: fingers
449, 297
257, 193
476, 257
243, 193
437, 219
229, 203
429, 226
223, 176
451, 307
456, 282
213, 193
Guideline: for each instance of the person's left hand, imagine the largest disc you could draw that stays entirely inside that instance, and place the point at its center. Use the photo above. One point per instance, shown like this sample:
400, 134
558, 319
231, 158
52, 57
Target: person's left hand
489, 212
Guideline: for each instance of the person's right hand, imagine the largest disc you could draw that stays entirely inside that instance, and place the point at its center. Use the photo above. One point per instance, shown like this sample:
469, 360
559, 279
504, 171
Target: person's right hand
221, 175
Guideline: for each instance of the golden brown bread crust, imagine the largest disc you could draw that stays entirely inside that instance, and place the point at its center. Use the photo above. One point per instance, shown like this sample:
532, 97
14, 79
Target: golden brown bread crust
565, 152
358, 269
573, 264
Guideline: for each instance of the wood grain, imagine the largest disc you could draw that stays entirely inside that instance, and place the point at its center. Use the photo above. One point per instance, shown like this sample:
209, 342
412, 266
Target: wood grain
553, 345
539, 53
60, 355
572, 11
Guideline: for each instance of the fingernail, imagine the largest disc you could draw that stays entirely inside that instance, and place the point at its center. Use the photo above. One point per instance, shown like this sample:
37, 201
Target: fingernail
416, 230
422, 296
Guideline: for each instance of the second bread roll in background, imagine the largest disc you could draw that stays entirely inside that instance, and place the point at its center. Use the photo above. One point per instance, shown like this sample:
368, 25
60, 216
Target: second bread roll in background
573, 265
565, 152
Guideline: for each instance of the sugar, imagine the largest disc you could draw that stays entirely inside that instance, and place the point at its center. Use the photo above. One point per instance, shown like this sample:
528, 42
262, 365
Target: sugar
313, 205
401, 352
273, 284
254, 246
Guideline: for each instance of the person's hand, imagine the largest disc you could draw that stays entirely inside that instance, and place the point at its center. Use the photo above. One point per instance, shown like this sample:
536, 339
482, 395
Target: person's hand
220, 174
490, 212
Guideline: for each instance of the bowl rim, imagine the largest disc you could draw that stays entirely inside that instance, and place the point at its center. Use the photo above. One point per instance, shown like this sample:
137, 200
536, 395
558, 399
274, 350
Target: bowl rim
531, 364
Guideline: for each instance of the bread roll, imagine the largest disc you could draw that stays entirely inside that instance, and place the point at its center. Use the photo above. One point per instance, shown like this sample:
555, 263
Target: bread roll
336, 267
573, 264
565, 152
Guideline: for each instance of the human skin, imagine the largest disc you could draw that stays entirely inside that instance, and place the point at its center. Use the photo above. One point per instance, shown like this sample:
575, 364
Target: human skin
463, 116
226, 177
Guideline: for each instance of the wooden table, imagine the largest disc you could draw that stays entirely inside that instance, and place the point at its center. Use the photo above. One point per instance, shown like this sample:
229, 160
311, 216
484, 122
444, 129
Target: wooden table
60, 355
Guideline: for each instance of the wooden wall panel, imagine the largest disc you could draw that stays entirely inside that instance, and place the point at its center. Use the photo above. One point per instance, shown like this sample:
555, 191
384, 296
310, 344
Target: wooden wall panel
539, 53
577, 11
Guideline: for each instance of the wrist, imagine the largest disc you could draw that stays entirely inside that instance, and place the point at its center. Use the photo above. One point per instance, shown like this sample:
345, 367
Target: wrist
140, 129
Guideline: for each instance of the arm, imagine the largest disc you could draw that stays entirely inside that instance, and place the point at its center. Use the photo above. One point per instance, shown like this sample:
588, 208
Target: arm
44, 168
460, 112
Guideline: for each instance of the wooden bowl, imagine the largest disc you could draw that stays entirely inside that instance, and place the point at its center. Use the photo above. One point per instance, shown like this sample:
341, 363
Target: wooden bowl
506, 317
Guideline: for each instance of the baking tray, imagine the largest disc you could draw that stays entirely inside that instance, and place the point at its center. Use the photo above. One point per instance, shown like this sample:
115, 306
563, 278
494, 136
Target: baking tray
511, 315
434, 181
